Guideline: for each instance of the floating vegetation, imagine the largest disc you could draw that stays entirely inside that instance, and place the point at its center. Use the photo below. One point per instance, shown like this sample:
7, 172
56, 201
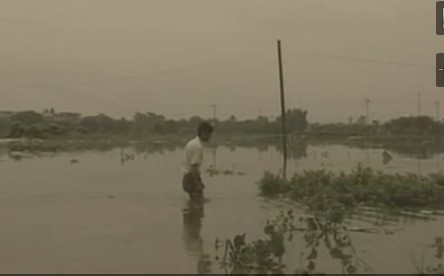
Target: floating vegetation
19, 155
330, 198
61, 145
361, 187
212, 172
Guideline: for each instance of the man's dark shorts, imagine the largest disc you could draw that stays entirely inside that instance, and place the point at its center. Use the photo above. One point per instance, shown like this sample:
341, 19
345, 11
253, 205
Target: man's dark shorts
192, 183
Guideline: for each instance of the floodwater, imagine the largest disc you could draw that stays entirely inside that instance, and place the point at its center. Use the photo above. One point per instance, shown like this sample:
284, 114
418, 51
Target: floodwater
92, 212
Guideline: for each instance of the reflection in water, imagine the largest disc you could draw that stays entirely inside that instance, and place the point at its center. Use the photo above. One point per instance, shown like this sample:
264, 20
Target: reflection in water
410, 149
386, 157
214, 151
157, 147
419, 166
193, 214
296, 150
284, 165
18, 155
125, 157
192, 224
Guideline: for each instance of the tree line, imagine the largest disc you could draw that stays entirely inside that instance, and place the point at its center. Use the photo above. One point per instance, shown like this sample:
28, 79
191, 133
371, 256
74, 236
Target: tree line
47, 124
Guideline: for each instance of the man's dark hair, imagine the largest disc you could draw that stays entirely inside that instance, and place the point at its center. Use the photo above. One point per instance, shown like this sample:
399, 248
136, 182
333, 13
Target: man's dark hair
204, 127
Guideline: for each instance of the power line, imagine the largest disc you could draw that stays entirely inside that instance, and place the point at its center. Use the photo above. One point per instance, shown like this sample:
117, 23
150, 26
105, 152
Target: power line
219, 62
365, 60
144, 76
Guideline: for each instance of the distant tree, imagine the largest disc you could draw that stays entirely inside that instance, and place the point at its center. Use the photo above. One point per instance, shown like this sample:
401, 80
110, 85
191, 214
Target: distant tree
5, 126
232, 119
261, 124
99, 123
122, 125
27, 117
170, 126
194, 121
296, 120
17, 130
159, 128
362, 120
146, 122
411, 125
55, 129
139, 121
183, 126
262, 120
35, 131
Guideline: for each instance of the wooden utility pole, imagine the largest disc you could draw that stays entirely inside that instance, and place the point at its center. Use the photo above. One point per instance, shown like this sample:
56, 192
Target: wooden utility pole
367, 119
284, 124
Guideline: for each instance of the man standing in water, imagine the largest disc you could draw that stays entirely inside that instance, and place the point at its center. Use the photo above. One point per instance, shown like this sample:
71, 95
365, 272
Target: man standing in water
193, 159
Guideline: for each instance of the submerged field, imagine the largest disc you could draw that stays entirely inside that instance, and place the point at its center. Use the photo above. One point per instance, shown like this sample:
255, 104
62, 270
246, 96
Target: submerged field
118, 207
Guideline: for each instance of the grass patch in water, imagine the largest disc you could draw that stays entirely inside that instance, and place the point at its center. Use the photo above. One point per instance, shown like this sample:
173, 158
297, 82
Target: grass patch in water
362, 186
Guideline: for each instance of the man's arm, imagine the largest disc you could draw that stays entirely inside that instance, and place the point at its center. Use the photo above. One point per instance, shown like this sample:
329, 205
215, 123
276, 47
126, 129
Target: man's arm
195, 171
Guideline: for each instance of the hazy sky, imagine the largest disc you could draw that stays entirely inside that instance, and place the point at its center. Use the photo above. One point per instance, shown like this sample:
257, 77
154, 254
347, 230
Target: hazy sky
177, 57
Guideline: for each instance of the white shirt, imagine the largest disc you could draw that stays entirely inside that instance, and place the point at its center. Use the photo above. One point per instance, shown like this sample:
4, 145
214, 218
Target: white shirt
193, 154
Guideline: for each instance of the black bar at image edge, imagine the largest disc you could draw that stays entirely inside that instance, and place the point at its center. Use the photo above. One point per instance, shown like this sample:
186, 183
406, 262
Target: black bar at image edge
439, 18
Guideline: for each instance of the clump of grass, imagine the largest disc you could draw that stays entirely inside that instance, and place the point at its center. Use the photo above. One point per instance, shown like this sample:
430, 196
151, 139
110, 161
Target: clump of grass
272, 185
362, 186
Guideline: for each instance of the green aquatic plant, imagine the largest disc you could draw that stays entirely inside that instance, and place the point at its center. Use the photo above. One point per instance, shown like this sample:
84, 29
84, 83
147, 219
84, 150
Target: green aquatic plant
362, 186
261, 256
337, 241
329, 198
204, 264
265, 256
438, 267
272, 185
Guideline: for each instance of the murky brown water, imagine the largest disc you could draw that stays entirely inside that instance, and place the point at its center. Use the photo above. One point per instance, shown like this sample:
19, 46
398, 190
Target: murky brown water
102, 216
